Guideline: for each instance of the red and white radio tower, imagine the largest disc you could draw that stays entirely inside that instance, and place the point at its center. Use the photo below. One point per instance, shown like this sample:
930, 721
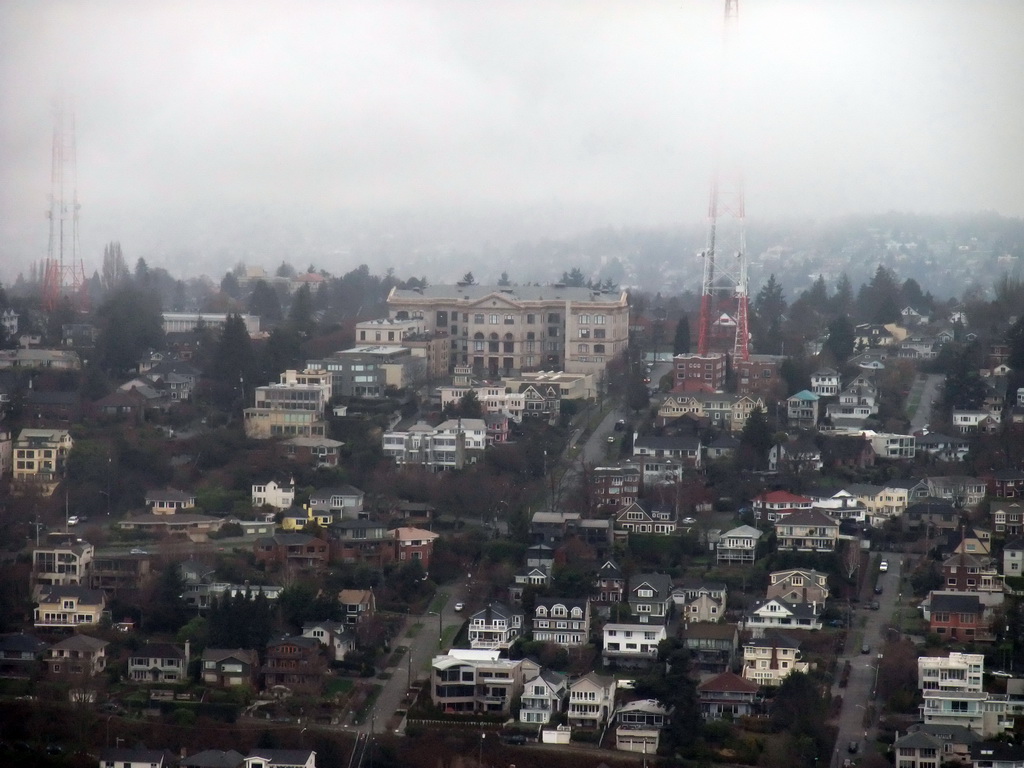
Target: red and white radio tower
724, 299
64, 273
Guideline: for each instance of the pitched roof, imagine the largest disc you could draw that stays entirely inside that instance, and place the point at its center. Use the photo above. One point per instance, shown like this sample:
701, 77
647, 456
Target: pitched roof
955, 604
782, 497
83, 643
728, 682
808, 517
773, 640
158, 651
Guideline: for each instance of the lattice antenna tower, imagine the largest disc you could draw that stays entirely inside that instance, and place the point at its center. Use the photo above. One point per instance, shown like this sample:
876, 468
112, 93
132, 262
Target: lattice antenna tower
724, 307
64, 273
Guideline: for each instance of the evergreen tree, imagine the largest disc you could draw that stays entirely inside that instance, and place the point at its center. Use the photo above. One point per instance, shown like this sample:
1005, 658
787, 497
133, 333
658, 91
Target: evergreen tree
263, 302
842, 301
681, 340
233, 366
468, 279
130, 322
841, 336
574, 278
229, 286
756, 440
300, 316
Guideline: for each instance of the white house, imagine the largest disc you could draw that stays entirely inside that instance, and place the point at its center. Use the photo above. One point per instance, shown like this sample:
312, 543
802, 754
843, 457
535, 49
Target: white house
825, 382
543, 697
738, 545
274, 494
591, 700
632, 644
496, 626
771, 659
776, 613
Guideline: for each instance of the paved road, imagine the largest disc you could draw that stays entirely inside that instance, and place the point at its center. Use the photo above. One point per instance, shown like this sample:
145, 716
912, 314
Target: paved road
859, 692
930, 388
422, 649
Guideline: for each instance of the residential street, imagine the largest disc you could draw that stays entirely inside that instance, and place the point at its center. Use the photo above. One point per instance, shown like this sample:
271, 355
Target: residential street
422, 649
859, 692
926, 388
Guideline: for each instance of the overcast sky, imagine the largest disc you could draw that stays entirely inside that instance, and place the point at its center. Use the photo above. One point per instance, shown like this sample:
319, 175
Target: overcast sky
843, 106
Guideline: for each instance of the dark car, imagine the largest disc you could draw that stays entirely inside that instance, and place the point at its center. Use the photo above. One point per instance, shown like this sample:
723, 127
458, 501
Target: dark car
865, 648
515, 739
878, 589
874, 605
852, 747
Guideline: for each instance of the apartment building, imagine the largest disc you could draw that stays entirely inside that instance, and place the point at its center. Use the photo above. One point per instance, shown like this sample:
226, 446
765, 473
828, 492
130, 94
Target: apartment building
39, 457
615, 486
450, 445
699, 373
294, 407
953, 694
521, 328
187, 322
368, 371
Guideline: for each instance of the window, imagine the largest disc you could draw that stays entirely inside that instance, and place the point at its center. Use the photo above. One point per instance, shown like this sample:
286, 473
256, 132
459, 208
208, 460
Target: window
599, 319
493, 319
584, 333
509, 320
584, 348
531, 319
478, 318
599, 349
599, 333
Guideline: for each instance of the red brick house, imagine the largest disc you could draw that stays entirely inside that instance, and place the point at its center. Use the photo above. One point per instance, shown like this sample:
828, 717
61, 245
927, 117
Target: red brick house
296, 662
957, 617
414, 544
297, 550
1006, 483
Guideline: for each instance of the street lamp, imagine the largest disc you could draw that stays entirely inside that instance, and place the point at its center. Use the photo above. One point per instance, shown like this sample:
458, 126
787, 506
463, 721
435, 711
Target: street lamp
480, 755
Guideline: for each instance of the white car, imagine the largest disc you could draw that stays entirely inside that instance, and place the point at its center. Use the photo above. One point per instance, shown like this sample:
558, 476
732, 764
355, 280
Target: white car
460, 606
73, 520
689, 521
883, 566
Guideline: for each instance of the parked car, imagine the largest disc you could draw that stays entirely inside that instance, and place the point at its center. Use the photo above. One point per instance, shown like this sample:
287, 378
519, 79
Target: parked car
460, 607
878, 589
853, 747
620, 425
874, 605
73, 520
865, 648
137, 551
883, 566
689, 521
611, 438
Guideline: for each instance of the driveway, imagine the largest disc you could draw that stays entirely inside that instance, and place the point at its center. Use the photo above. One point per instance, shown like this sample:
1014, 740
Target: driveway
868, 626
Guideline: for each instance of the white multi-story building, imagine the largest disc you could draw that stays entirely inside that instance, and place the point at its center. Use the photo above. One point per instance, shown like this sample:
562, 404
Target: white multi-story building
468, 681
825, 383
450, 445
186, 322
771, 659
953, 694
543, 697
591, 700
517, 328
632, 644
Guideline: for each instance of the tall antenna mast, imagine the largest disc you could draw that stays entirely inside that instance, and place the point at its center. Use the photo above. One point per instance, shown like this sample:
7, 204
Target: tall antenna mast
724, 302
64, 272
